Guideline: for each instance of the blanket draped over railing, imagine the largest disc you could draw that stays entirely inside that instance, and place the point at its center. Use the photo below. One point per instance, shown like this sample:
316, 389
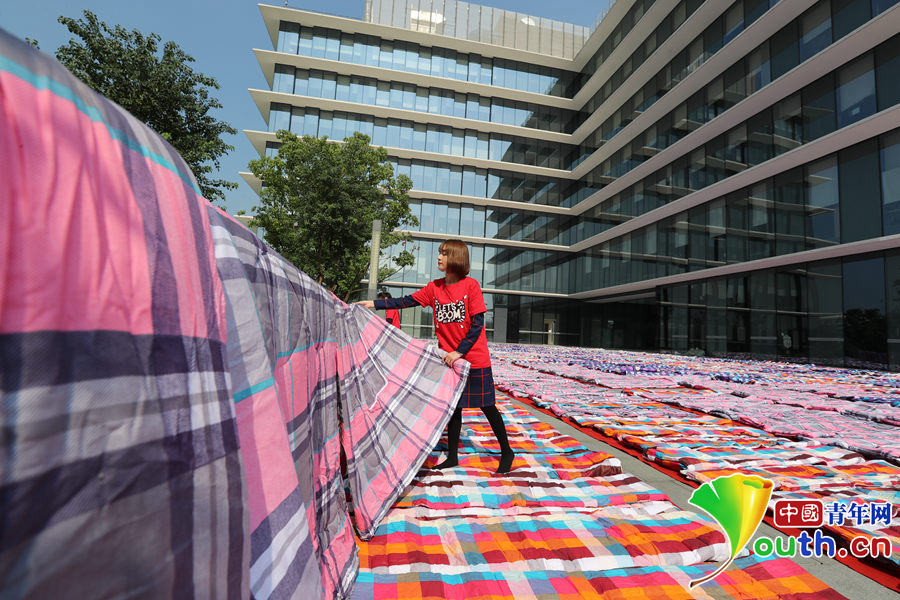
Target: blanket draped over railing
175, 397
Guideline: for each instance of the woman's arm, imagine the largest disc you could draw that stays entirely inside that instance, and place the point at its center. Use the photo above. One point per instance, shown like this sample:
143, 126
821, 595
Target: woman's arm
474, 331
391, 303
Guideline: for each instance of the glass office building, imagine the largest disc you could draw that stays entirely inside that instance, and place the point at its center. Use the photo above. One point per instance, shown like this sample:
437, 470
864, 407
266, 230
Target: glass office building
682, 176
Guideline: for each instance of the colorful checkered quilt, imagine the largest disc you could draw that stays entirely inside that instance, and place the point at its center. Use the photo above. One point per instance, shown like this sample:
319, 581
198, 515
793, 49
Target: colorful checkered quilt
747, 578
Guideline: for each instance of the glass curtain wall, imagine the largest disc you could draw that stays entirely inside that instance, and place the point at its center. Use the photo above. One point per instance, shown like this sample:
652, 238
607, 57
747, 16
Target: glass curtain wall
373, 51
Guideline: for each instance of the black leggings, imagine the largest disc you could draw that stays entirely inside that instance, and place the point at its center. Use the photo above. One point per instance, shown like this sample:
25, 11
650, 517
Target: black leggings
454, 427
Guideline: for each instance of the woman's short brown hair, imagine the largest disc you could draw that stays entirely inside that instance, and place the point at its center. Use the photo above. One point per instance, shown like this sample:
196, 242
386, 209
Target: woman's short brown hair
457, 257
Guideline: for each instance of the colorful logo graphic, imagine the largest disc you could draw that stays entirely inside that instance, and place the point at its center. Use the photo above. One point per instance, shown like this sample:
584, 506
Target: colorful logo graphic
738, 503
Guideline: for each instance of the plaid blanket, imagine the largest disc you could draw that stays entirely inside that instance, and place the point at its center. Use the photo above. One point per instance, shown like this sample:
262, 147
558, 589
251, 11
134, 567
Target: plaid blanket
120, 465
606, 379
175, 426
313, 375
527, 434
553, 541
607, 412
701, 458
871, 431
646, 442
541, 466
533, 438
814, 477
396, 397
699, 428
881, 413
750, 577
742, 376
463, 495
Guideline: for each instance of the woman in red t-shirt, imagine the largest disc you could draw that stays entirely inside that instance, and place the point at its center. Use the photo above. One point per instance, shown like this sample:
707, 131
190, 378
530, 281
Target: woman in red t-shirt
459, 324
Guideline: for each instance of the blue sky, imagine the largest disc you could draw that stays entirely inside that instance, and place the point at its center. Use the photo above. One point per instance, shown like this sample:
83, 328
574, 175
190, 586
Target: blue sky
220, 36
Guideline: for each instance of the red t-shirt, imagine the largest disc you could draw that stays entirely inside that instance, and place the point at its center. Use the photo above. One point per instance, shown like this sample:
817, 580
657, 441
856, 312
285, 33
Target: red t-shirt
453, 307
394, 316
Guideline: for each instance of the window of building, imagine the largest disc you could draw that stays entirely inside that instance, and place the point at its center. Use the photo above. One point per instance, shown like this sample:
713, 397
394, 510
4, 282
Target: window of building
887, 72
856, 91
865, 326
822, 203
789, 212
815, 30
818, 108
826, 319
890, 181
892, 298
785, 48
848, 15
859, 178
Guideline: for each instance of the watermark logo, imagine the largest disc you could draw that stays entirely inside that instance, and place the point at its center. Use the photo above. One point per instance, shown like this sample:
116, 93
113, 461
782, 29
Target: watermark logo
737, 503
815, 513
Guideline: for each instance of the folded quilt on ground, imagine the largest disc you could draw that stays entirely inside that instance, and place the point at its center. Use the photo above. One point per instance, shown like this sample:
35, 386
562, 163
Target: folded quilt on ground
749, 577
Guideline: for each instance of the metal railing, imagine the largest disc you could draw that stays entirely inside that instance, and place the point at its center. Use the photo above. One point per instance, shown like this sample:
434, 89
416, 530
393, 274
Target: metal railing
603, 12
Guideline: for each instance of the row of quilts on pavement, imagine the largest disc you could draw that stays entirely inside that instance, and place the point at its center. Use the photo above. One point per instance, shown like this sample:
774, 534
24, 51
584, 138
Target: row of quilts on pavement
595, 365
780, 405
704, 434
566, 522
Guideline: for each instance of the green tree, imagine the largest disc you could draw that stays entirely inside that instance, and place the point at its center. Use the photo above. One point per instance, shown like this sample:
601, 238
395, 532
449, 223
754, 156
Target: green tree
319, 200
160, 89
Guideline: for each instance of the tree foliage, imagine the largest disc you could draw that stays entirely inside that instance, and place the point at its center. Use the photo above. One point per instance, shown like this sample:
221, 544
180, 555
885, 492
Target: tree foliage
160, 89
319, 200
